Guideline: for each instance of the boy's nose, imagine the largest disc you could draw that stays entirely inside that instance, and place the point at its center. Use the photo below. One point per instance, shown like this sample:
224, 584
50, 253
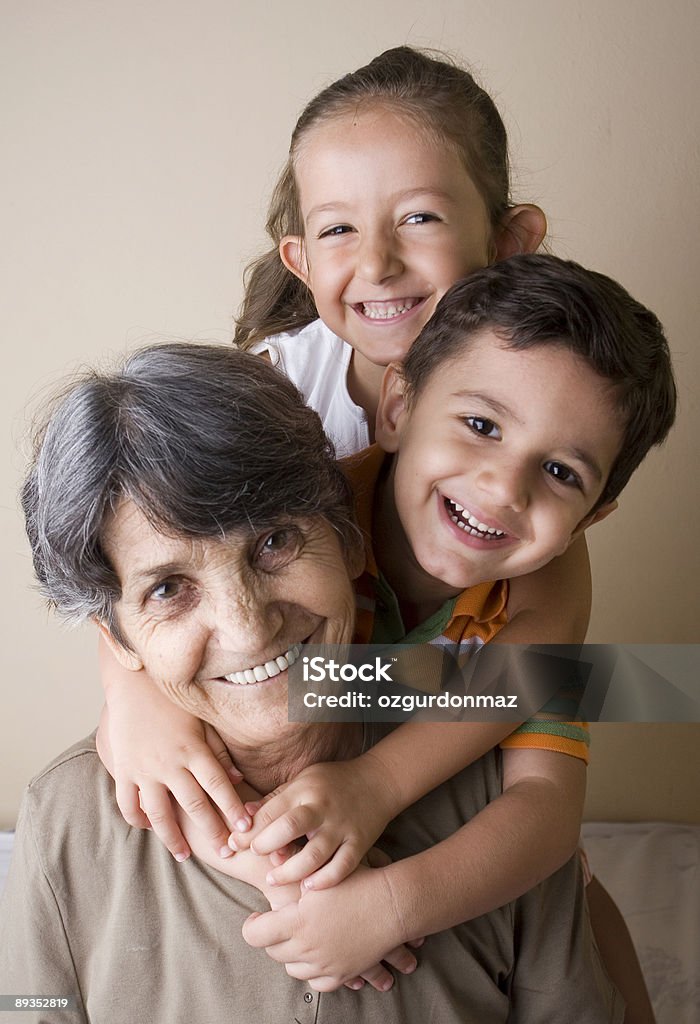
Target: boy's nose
378, 258
505, 485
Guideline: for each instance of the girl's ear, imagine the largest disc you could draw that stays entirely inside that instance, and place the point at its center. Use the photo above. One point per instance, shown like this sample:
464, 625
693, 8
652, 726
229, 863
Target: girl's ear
293, 255
521, 229
125, 657
391, 409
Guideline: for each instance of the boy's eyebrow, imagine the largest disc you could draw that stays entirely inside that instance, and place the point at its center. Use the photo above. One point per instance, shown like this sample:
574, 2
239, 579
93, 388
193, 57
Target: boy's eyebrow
493, 403
587, 460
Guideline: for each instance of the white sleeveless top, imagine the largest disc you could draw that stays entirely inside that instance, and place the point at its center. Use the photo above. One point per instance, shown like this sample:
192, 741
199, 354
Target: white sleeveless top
317, 361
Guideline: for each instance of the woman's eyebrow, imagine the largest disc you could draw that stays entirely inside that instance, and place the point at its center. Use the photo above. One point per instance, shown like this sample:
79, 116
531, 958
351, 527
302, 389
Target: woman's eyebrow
149, 574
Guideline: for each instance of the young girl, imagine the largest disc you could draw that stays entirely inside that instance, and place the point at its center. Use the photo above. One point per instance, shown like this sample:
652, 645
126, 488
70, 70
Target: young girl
396, 186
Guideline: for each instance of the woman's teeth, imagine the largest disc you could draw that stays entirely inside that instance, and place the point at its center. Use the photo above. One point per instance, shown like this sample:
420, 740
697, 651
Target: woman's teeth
385, 310
466, 521
259, 673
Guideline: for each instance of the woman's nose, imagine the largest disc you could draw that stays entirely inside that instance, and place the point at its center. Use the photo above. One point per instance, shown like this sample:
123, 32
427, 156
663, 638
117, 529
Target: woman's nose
247, 624
378, 258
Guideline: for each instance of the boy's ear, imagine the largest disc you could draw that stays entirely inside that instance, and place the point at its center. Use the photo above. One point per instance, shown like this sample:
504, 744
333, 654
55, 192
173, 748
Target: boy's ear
595, 517
293, 255
125, 657
521, 229
391, 409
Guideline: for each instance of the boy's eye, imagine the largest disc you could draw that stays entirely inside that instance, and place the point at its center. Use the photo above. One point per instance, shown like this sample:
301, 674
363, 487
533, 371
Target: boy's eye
337, 229
562, 473
480, 425
420, 218
277, 548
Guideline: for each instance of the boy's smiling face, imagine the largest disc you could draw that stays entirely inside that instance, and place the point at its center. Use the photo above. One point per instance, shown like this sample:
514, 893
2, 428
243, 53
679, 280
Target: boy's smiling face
499, 460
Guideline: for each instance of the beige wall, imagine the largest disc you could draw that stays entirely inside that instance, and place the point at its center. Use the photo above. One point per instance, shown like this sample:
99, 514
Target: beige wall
141, 141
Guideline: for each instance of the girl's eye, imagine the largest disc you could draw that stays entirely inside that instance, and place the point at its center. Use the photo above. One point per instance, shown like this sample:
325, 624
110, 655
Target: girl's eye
277, 548
335, 231
562, 473
480, 425
420, 218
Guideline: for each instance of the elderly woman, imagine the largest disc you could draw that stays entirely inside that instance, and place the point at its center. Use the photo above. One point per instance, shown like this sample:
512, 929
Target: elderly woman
190, 505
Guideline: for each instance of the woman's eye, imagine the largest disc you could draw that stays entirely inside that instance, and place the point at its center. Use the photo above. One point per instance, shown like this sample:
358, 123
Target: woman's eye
480, 425
562, 473
166, 590
420, 218
278, 547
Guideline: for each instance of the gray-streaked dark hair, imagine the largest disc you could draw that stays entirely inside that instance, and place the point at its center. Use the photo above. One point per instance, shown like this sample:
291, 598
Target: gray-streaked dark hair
533, 300
204, 439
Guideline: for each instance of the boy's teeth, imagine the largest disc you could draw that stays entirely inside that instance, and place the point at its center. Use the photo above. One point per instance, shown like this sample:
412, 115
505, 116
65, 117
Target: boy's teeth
258, 673
384, 311
463, 518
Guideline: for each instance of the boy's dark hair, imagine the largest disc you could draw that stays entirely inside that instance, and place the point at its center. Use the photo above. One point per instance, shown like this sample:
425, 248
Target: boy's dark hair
533, 300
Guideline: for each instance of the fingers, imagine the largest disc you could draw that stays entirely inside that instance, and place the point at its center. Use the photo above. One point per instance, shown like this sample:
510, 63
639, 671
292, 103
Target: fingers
402, 959
379, 978
195, 803
302, 864
267, 930
376, 858
217, 785
342, 864
158, 808
128, 803
293, 824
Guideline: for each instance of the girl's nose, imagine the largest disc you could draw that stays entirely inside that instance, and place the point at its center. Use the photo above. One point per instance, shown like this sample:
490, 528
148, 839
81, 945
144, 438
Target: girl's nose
378, 258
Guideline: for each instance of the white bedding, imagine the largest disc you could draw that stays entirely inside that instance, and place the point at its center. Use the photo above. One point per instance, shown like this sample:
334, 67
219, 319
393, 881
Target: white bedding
653, 873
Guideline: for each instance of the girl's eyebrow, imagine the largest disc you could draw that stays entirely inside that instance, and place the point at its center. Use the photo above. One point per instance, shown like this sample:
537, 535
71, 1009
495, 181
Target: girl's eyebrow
427, 191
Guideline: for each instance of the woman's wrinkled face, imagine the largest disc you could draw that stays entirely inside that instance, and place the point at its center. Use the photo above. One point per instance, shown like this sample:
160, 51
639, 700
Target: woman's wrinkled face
216, 621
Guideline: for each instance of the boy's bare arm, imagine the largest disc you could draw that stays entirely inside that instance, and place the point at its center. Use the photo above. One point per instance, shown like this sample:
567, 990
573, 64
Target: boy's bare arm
511, 845
347, 806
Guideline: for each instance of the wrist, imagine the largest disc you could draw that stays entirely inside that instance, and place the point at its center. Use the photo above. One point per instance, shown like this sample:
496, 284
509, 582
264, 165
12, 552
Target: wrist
380, 779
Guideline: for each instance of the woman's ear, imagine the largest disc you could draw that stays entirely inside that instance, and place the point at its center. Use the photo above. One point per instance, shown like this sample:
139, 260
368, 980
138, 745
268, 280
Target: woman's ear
391, 409
521, 229
128, 659
293, 255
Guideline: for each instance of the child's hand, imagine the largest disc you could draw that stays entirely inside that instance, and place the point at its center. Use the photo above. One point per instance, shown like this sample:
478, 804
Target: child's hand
337, 936
338, 806
160, 754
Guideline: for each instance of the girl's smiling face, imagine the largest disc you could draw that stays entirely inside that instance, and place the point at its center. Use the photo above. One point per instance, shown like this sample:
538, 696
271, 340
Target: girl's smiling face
498, 462
391, 220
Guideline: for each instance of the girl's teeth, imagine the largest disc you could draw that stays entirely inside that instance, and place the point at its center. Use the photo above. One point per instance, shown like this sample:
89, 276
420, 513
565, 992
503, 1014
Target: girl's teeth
384, 312
272, 668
